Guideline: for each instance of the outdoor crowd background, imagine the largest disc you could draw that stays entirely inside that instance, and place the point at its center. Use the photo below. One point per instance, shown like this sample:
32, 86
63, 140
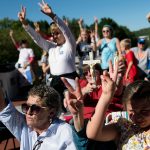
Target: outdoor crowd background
9, 53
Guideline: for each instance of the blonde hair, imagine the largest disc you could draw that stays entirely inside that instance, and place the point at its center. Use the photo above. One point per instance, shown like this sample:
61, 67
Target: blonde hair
126, 43
53, 27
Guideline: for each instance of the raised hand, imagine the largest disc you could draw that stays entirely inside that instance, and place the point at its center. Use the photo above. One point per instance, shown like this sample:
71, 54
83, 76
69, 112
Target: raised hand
72, 104
89, 88
45, 8
108, 85
22, 14
73, 97
95, 19
121, 68
76, 93
80, 21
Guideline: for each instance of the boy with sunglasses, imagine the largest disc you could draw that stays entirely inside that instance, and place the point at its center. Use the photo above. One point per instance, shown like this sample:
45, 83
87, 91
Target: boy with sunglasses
39, 126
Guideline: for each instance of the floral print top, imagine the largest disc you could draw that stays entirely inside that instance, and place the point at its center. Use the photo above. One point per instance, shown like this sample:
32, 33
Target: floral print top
131, 136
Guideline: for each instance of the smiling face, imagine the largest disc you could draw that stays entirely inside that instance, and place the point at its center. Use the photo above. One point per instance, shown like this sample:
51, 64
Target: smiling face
139, 113
136, 99
106, 32
57, 35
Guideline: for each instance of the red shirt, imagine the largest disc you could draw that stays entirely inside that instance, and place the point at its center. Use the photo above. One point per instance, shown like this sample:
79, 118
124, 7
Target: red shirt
133, 71
91, 99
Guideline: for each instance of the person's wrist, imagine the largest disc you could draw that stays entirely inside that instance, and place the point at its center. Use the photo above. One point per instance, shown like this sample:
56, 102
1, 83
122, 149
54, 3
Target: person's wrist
107, 97
24, 23
52, 15
77, 114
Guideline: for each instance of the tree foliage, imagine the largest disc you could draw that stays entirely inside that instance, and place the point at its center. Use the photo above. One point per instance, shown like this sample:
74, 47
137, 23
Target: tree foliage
9, 53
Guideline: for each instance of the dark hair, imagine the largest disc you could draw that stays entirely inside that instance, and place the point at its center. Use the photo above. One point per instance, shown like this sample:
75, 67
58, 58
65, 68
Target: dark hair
48, 95
23, 42
53, 27
138, 91
96, 66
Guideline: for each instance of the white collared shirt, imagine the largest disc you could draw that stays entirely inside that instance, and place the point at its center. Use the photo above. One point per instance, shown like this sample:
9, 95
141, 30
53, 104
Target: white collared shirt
59, 135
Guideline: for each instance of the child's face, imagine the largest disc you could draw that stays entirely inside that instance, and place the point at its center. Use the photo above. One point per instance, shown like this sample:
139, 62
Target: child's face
139, 113
122, 47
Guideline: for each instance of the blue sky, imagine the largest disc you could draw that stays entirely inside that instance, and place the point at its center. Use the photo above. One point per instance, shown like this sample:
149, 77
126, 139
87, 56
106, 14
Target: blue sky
130, 13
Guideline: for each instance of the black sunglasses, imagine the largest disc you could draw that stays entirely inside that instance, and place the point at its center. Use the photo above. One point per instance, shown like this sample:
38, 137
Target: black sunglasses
85, 73
104, 31
34, 109
141, 43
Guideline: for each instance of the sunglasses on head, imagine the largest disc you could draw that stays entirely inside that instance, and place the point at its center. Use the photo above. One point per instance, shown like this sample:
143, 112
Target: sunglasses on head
34, 109
106, 31
141, 43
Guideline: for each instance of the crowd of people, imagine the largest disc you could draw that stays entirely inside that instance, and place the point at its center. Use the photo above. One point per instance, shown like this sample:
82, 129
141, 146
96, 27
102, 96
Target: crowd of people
119, 83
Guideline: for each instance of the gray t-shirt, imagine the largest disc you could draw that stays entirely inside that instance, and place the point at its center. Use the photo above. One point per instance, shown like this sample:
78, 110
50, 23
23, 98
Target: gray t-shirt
142, 62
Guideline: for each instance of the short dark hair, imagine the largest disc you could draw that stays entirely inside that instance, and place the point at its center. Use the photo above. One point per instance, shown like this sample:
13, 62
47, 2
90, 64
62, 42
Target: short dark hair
137, 91
23, 41
48, 95
96, 66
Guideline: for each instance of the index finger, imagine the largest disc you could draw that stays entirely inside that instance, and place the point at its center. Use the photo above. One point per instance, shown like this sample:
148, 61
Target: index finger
78, 89
43, 2
68, 85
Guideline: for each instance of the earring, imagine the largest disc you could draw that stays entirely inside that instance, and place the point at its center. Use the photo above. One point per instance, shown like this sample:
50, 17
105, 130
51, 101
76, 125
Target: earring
50, 120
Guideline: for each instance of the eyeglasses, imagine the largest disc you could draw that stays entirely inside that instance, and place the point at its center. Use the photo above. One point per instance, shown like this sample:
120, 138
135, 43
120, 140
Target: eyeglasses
34, 109
106, 31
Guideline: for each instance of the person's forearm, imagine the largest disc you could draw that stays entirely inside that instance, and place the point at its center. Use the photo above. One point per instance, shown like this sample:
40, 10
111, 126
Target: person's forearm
81, 27
24, 22
78, 120
95, 124
94, 47
66, 31
13, 40
40, 41
52, 15
45, 68
119, 86
13, 120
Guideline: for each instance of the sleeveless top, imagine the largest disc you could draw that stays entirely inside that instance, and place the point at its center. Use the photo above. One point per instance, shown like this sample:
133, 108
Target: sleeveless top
108, 51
